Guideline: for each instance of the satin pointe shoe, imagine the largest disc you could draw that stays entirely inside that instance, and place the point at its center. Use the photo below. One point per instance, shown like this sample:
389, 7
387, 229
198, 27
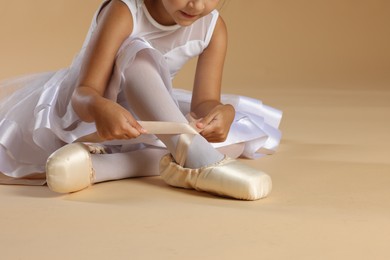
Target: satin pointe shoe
227, 178
69, 169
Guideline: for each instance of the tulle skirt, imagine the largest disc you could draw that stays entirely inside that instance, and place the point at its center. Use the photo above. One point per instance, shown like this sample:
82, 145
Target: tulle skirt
36, 116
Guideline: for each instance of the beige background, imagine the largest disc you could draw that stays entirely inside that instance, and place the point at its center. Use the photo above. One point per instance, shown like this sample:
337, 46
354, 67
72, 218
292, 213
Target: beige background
326, 64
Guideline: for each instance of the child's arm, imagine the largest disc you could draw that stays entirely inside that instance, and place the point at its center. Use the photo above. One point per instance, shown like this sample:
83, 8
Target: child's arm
112, 121
216, 118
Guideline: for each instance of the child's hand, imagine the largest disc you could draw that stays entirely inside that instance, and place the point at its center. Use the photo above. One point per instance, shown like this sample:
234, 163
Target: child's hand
215, 126
115, 122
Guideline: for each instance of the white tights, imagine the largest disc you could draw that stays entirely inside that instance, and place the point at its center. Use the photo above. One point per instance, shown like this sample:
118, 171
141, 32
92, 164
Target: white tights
140, 163
148, 97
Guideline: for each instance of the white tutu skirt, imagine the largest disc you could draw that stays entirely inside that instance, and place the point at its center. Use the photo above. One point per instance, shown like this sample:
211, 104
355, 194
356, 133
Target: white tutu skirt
36, 116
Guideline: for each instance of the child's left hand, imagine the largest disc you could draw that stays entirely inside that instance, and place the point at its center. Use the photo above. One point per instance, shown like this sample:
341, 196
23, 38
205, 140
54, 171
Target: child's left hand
216, 124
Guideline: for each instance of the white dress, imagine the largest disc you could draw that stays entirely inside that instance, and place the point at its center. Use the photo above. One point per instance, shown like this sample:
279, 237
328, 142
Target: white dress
36, 116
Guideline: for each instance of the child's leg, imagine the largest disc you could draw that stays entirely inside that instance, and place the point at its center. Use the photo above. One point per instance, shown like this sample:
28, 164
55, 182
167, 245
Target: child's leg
117, 166
149, 98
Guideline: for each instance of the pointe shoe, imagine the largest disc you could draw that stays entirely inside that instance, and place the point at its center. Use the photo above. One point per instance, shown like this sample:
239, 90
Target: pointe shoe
228, 178
69, 169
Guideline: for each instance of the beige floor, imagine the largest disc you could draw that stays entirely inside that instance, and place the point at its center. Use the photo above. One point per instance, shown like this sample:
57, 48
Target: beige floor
325, 65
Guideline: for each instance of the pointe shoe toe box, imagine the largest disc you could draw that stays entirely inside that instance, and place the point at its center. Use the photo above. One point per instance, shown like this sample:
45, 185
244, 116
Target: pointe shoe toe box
69, 169
229, 178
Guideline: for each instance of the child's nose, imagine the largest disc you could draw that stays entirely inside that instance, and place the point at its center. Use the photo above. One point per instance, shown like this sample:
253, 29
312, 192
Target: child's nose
197, 5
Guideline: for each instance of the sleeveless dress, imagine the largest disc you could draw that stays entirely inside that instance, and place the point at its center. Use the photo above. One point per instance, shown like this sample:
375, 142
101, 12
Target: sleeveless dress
36, 116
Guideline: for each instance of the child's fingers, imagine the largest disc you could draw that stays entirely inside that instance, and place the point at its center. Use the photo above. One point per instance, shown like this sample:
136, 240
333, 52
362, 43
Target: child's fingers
134, 128
139, 127
214, 132
207, 131
204, 122
132, 133
200, 125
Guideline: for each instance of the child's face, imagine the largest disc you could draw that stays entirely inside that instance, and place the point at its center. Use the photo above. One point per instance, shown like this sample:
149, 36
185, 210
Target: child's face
185, 12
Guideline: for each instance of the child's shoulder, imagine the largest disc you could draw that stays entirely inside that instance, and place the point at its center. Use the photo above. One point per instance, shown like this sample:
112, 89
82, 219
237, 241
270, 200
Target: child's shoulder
133, 5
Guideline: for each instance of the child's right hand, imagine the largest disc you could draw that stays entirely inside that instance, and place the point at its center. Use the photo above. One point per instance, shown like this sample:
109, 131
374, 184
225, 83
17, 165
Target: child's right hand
115, 122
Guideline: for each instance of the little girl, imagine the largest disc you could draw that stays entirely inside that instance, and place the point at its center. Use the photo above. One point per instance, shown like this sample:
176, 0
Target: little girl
113, 113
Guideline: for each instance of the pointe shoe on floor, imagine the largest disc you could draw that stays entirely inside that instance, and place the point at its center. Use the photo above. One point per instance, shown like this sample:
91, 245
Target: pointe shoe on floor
69, 169
228, 178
